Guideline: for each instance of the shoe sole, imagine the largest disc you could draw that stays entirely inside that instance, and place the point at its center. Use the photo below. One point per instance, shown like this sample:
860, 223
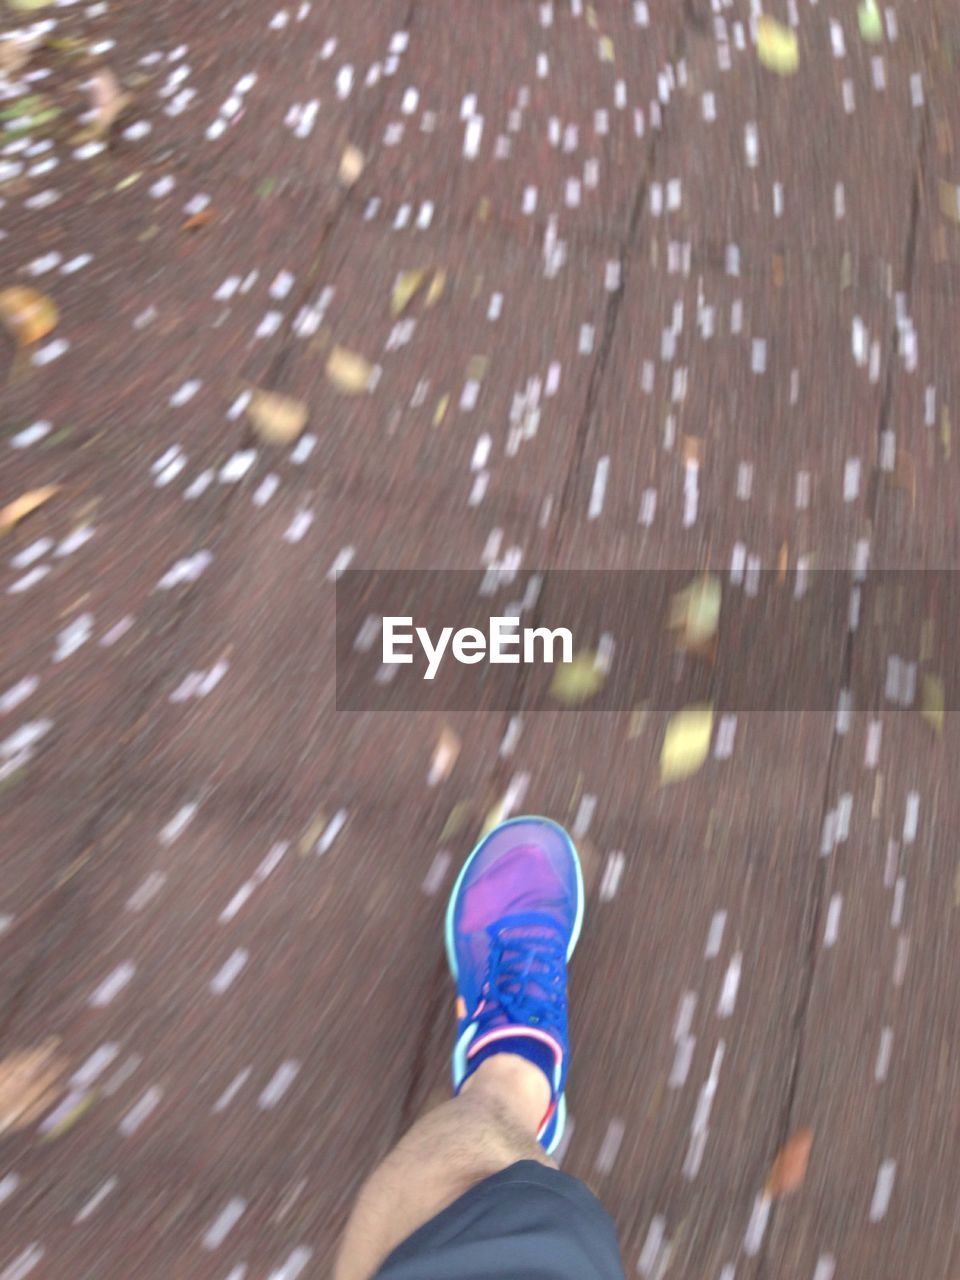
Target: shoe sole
448, 928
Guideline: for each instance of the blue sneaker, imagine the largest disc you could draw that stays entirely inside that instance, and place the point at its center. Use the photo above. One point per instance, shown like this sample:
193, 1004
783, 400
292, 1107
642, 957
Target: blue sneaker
512, 923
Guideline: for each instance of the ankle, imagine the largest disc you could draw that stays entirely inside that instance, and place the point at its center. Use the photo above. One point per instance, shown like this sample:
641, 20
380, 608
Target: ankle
515, 1084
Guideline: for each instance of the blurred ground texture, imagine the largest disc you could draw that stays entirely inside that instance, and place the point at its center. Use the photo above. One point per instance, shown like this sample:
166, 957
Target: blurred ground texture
686, 312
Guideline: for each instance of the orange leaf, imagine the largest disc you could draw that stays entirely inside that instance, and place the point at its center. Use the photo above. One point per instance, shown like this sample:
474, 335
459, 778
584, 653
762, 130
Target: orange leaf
198, 220
28, 315
783, 560
790, 1166
21, 507
28, 1085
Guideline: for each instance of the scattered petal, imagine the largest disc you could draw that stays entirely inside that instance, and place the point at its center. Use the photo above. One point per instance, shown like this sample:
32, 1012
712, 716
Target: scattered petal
444, 757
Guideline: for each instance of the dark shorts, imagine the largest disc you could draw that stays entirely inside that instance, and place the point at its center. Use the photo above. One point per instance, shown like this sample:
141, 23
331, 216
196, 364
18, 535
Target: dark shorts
527, 1222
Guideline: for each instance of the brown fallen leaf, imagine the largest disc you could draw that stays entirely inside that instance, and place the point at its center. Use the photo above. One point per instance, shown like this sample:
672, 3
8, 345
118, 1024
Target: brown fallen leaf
905, 475
108, 101
790, 1165
16, 50
349, 372
197, 221
351, 165
276, 419
28, 314
437, 286
21, 507
692, 450
695, 613
28, 1085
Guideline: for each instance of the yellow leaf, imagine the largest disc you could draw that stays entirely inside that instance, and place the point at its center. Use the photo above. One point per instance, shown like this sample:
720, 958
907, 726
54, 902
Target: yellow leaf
686, 742
606, 49
26, 6
312, 834
349, 372
437, 285
695, 611
455, 821
790, 1166
21, 507
28, 315
494, 817
932, 703
405, 287
870, 22
276, 419
66, 1122
578, 680
777, 46
441, 409
351, 165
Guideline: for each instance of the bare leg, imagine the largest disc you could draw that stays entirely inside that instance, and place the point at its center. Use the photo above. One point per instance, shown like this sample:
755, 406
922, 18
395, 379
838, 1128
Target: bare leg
489, 1126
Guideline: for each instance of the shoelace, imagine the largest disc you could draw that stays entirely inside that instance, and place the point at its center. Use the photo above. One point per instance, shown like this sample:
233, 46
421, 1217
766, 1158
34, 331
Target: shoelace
526, 972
